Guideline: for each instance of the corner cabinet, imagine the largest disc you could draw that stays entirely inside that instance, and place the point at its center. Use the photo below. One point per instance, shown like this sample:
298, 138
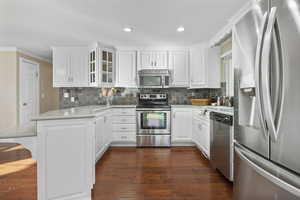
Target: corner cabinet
126, 69
205, 67
101, 66
70, 66
153, 59
179, 66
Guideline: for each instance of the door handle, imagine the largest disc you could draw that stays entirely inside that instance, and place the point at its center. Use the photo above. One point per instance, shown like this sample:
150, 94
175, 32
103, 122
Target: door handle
258, 74
269, 176
267, 106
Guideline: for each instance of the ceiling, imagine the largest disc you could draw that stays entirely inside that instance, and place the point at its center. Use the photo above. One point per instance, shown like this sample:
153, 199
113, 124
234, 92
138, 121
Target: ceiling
36, 25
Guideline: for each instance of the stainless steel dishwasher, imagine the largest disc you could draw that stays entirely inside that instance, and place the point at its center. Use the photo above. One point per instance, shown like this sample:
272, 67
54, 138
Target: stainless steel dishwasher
221, 143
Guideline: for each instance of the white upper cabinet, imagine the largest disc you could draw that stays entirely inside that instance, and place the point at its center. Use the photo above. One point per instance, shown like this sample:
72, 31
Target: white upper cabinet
213, 67
70, 66
205, 67
153, 59
101, 66
179, 66
126, 74
198, 77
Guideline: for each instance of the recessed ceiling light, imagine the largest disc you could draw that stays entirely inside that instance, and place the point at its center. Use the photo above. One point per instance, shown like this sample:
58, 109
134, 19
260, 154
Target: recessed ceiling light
180, 29
127, 29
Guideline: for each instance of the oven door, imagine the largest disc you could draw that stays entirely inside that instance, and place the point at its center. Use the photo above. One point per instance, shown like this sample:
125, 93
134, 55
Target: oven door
151, 81
151, 122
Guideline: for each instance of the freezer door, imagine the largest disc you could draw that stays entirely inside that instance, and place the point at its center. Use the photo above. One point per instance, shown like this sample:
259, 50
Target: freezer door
285, 144
248, 35
254, 179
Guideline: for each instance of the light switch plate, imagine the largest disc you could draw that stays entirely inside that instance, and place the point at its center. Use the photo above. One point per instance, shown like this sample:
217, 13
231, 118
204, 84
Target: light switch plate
72, 99
66, 95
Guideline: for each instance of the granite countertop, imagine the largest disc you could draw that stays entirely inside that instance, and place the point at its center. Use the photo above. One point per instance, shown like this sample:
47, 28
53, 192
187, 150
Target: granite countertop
77, 112
94, 111
219, 109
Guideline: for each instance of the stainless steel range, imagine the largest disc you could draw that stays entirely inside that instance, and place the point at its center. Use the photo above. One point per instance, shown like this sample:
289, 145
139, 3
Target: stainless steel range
153, 120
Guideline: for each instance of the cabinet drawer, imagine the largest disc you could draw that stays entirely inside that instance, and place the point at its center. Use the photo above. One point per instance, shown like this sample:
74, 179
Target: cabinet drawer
124, 112
124, 127
130, 136
124, 120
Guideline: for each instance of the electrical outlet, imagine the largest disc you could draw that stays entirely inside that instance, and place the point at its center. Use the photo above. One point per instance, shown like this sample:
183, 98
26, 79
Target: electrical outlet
66, 95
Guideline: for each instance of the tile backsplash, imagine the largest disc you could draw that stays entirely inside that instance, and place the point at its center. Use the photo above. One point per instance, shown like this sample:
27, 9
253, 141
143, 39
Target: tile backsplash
123, 96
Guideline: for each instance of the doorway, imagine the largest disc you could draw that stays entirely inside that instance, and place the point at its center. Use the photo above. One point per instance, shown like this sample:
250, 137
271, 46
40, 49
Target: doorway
28, 95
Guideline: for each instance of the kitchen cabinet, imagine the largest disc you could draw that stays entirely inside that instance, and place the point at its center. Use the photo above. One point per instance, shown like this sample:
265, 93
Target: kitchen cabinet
179, 66
153, 59
181, 126
101, 66
99, 136
103, 134
124, 127
70, 66
205, 67
66, 163
201, 131
126, 75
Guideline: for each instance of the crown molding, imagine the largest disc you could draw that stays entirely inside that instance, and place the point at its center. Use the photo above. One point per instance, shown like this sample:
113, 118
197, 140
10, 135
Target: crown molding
8, 49
227, 29
28, 53
25, 52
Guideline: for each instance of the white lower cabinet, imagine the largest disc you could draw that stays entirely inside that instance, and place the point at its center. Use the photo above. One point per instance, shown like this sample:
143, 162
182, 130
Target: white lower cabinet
181, 126
103, 134
124, 127
65, 159
201, 133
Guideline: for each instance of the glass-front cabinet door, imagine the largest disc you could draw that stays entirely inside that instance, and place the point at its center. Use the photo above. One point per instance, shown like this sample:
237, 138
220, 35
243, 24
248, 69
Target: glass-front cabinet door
101, 66
107, 68
93, 68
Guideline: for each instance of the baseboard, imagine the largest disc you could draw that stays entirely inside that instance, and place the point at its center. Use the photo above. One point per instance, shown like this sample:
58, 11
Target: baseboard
183, 144
123, 144
101, 152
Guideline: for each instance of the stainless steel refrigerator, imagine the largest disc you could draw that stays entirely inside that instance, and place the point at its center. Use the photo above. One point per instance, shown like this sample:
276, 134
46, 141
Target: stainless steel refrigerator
266, 59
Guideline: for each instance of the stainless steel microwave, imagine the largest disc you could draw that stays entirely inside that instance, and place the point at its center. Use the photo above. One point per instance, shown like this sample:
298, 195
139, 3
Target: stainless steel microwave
154, 78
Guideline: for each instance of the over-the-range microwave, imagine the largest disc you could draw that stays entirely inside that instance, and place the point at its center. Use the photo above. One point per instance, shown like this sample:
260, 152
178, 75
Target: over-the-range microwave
154, 78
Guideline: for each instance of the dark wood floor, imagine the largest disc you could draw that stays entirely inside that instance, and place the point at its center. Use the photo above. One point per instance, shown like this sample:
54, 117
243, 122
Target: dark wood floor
158, 174
17, 173
125, 174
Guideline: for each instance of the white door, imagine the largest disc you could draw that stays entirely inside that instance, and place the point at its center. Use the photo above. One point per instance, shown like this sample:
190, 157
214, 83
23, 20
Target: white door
180, 68
79, 66
61, 67
160, 59
99, 135
181, 126
146, 59
198, 73
126, 69
29, 93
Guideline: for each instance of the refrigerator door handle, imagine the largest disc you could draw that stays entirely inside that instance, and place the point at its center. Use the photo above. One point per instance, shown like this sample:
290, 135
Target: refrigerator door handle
275, 180
258, 74
267, 107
